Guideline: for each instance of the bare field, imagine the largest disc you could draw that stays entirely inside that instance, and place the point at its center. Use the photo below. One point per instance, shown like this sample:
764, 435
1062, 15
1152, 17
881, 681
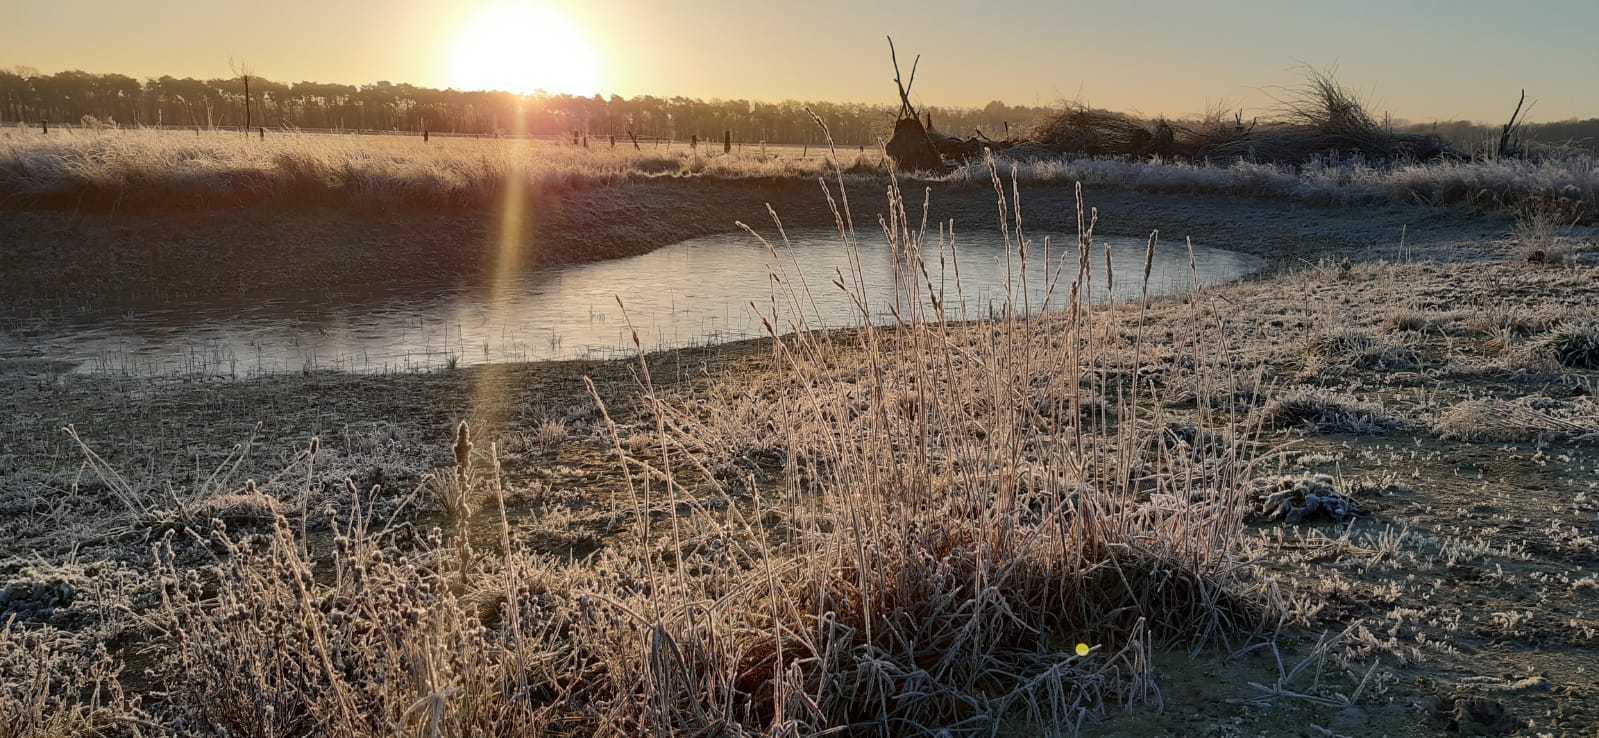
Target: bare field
1355, 494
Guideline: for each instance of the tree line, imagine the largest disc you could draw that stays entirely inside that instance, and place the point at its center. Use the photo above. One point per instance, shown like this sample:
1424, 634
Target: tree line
76, 97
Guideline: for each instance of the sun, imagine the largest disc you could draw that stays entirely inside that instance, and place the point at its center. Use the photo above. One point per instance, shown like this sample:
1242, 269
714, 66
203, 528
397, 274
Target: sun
524, 49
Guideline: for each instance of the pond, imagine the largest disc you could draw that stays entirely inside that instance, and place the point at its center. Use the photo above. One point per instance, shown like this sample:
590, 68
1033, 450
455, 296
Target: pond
693, 293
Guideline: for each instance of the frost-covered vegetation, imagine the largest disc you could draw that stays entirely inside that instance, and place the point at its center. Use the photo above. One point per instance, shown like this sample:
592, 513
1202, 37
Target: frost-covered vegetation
167, 170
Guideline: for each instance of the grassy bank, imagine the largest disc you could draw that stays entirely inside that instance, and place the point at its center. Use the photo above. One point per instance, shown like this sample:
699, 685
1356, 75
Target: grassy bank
1570, 184
888, 530
148, 170
136, 169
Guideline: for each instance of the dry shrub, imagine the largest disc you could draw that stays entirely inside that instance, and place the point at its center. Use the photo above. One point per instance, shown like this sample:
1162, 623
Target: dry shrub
1514, 422
1323, 119
1518, 322
245, 509
1573, 345
1446, 322
1327, 412
1361, 349
53, 686
552, 433
1537, 228
943, 553
263, 646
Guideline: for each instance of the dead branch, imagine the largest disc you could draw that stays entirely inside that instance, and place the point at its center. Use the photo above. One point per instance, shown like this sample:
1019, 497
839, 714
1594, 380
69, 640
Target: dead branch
906, 109
1509, 136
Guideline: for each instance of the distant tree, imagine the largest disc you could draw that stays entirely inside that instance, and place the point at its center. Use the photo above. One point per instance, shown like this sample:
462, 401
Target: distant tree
248, 100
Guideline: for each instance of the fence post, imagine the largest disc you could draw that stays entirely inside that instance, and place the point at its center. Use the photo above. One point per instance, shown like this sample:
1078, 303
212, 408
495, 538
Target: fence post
44, 126
634, 139
694, 142
727, 141
262, 129
613, 140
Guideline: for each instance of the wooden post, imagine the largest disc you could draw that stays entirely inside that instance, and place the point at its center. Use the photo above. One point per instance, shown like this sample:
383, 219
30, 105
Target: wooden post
246, 104
585, 140
694, 142
727, 141
44, 126
613, 140
424, 135
634, 139
263, 133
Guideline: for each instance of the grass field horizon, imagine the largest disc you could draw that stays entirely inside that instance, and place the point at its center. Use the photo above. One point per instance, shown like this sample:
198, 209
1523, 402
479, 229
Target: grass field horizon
999, 454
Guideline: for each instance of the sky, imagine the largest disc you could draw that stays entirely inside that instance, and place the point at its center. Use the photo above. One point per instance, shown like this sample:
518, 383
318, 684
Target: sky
1418, 61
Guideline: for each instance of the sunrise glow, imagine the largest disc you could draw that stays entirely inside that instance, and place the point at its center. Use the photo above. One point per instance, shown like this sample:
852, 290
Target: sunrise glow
525, 49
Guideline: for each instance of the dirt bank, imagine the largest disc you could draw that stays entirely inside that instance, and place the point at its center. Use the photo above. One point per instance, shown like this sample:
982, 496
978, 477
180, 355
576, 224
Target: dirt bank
65, 263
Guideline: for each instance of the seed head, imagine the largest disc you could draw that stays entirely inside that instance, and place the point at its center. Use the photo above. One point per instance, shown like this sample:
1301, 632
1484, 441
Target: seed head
463, 446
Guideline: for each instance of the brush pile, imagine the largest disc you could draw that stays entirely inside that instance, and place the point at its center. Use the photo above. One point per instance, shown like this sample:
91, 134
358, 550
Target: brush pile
916, 146
1320, 120
1079, 129
911, 148
1311, 498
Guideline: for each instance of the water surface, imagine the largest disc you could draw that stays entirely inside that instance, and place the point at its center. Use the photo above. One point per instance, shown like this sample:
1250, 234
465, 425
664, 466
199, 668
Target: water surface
692, 293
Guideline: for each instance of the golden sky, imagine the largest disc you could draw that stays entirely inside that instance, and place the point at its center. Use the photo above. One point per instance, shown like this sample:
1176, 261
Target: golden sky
1416, 60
